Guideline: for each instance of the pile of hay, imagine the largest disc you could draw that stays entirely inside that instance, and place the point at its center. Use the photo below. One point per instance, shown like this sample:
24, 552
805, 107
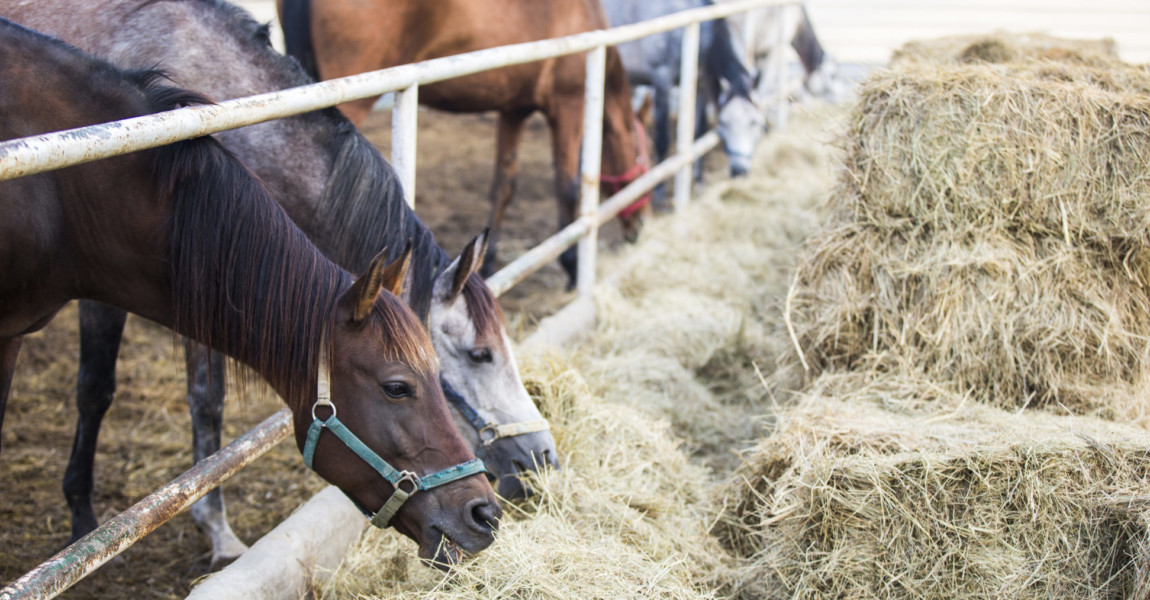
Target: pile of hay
847, 499
987, 252
1001, 47
669, 373
992, 231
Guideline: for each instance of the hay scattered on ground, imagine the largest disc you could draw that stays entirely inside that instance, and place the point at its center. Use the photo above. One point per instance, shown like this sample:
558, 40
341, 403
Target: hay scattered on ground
669, 375
848, 499
992, 232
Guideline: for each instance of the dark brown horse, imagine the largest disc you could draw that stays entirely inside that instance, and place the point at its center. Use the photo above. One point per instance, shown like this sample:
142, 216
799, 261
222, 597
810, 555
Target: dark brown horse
336, 187
186, 236
336, 38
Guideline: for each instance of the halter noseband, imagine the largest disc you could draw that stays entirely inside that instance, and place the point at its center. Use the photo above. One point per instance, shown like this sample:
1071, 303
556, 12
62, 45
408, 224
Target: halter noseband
615, 183
396, 477
489, 432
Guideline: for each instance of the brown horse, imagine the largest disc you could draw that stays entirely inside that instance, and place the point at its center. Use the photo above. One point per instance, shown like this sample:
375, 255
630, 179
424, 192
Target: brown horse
336, 38
186, 236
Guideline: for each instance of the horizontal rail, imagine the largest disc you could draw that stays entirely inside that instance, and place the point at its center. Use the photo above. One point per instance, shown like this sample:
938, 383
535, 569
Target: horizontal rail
550, 248
36, 154
86, 555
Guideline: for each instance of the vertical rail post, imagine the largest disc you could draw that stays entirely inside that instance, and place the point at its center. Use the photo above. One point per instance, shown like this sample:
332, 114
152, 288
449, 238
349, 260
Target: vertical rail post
404, 122
685, 135
779, 66
591, 157
749, 33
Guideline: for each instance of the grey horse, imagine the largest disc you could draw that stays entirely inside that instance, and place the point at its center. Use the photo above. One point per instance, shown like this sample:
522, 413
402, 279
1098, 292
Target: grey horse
726, 81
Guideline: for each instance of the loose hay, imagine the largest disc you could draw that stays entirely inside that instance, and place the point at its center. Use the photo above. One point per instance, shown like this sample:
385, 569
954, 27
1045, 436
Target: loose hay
624, 518
847, 499
991, 231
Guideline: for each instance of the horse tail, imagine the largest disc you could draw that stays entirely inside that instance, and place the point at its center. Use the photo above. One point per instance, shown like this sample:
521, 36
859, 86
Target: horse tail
296, 23
724, 61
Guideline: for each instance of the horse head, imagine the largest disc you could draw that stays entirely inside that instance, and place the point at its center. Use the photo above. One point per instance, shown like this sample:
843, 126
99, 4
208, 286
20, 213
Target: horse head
626, 151
480, 378
380, 428
740, 125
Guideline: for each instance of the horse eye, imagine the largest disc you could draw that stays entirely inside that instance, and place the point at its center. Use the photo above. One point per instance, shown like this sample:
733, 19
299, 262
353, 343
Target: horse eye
480, 355
397, 389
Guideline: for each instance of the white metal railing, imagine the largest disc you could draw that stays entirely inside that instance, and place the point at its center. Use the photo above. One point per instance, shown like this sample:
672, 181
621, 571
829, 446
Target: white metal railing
37, 154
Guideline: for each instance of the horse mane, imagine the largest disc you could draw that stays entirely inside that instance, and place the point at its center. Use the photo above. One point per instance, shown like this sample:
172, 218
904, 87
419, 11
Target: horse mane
723, 61
362, 210
807, 45
245, 280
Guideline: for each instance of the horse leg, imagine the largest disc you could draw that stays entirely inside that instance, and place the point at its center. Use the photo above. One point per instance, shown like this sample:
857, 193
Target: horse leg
101, 329
9, 350
706, 94
503, 187
662, 107
566, 119
205, 373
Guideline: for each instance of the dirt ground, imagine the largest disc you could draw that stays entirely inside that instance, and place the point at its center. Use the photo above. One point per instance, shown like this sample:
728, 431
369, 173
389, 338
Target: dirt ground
146, 438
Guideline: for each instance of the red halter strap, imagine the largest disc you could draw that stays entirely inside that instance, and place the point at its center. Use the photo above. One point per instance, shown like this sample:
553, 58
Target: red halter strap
614, 183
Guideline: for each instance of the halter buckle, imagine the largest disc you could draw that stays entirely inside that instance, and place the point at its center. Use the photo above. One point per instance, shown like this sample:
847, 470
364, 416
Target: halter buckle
409, 477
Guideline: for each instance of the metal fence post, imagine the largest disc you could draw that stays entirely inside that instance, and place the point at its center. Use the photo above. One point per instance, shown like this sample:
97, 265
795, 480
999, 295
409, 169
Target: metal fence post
685, 135
590, 161
779, 65
404, 118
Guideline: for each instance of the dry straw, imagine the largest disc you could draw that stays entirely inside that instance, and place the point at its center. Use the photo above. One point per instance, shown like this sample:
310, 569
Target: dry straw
848, 500
991, 230
987, 250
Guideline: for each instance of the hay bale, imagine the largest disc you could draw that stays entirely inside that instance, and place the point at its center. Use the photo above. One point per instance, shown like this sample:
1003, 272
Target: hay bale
991, 230
849, 500
1001, 47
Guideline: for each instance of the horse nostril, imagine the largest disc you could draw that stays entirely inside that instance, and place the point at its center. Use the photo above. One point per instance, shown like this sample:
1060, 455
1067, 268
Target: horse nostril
485, 515
549, 459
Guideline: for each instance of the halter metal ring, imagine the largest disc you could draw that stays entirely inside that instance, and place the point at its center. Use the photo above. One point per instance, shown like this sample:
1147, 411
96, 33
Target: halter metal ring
409, 477
322, 402
491, 431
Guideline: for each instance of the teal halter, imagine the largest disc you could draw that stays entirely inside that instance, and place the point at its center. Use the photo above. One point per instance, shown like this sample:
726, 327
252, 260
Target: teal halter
391, 474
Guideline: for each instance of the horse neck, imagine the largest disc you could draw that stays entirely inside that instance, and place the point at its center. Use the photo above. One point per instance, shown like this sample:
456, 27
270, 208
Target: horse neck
806, 44
331, 181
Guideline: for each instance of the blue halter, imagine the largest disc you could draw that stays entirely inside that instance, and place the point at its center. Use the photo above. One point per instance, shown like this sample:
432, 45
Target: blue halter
489, 432
396, 477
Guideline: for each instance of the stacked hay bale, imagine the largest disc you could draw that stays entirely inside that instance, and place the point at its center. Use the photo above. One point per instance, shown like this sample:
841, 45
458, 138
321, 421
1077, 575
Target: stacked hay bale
992, 231
989, 252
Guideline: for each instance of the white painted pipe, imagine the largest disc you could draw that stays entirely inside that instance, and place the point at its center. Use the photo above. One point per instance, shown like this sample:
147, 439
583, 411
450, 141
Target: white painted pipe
591, 158
688, 92
404, 131
309, 543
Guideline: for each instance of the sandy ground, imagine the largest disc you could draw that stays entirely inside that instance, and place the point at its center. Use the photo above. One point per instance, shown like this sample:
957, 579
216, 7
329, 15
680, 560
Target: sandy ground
146, 440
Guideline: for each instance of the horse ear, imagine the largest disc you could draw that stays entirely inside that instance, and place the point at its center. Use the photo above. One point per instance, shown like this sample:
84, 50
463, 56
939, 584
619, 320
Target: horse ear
396, 272
644, 113
380, 275
363, 293
468, 262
